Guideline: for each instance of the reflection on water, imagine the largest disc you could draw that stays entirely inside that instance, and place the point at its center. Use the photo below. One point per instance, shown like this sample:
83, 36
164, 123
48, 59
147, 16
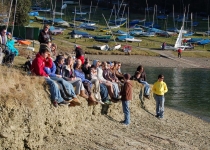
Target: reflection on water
188, 88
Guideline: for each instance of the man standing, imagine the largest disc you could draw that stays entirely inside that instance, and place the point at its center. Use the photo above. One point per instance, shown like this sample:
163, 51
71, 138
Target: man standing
179, 52
45, 35
159, 89
3, 37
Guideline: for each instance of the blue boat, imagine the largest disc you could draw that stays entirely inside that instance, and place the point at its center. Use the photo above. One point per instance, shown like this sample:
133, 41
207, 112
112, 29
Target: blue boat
203, 42
120, 32
189, 34
194, 40
162, 17
33, 13
123, 37
136, 32
120, 21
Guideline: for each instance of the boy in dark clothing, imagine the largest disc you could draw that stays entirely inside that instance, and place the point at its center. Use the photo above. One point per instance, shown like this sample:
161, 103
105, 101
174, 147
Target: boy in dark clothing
127, 94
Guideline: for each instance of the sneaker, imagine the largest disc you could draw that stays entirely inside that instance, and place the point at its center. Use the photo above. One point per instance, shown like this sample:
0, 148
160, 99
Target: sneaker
125, 125
123, 122
72, 105
100, 102
157, 116
146, 96
55, 104
108, 102
63, 103
115, 100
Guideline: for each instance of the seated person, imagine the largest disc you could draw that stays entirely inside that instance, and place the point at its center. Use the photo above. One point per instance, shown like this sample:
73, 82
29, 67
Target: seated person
108, 75
116, 69
68, 75
86, 69
37, 68
87, 83
10, 51
57, 76
142, 79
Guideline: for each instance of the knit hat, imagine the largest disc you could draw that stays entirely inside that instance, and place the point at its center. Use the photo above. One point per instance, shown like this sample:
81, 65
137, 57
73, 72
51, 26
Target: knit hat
127, 76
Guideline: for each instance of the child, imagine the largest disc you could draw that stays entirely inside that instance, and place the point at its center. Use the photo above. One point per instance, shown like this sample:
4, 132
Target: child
127, 95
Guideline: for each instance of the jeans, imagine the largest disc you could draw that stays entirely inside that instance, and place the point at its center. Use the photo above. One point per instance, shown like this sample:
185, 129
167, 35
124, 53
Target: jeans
104, 92
77, 83
54, 90
160, 99
146, 87
68, 86
126, 111
115, 89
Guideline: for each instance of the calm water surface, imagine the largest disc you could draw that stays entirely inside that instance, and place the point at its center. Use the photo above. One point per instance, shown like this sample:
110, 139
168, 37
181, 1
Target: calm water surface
189, 89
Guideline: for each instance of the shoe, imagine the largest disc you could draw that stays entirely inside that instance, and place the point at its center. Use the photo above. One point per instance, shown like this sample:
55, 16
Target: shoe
55, 104
72, 105
157, 116
125, 125
115, 100
82, 94
100, 102
108, 102
146, 96
76, 101
63, 103
161, 117
91, 98
123, 122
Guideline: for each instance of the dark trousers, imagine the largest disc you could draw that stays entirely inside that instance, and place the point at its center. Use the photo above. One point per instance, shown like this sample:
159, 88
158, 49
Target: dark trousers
179, 55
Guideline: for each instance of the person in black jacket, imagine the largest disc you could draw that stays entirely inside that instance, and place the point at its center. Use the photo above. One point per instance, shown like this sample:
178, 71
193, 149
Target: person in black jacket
45, 35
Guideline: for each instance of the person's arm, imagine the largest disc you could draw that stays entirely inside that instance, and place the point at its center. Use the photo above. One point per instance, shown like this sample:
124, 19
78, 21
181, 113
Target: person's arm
39, 68
165, 88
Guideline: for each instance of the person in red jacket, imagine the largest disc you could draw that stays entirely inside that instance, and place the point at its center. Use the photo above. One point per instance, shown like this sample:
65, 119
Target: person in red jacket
37, 68
127, 94
179, 53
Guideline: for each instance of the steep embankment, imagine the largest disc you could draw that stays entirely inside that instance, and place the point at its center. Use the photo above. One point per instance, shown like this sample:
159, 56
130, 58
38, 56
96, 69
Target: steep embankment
29, 121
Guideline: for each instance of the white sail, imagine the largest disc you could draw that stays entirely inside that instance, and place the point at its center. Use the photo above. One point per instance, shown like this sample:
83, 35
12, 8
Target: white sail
179, 39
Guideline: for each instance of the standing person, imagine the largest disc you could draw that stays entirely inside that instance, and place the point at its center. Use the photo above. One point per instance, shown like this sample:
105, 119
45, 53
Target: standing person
179, 53
159, 89
127, 94
3, 37
45, 35
163, 45
79, 53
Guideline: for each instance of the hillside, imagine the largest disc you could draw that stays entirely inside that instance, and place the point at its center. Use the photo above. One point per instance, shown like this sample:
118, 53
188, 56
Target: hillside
29, 121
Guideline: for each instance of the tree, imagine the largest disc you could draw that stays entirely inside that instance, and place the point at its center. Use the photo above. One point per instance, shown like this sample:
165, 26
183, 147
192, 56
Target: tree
22, 17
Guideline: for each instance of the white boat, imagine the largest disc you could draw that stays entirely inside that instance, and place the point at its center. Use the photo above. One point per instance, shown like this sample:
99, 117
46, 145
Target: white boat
101, 47
132, 40
116, 47
114, 27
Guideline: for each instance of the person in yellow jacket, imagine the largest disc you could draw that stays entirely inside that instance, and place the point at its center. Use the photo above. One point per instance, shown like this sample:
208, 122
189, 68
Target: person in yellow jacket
159, 89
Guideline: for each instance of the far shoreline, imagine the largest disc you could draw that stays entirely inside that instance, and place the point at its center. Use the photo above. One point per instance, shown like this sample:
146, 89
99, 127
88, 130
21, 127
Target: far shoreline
152, 61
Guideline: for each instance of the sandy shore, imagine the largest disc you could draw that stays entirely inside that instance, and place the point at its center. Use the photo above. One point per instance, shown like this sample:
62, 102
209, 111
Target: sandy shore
185, 62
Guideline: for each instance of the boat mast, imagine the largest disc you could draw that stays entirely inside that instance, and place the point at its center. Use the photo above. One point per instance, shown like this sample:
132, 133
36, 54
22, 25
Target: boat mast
9, 13
109, 29
14, 17
90, 11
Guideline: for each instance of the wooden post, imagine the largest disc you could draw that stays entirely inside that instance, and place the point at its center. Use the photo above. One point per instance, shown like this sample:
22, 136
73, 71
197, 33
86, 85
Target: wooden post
75, 40
138, 44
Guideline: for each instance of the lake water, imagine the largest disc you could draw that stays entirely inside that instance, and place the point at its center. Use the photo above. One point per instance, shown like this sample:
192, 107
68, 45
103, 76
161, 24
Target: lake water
189, 89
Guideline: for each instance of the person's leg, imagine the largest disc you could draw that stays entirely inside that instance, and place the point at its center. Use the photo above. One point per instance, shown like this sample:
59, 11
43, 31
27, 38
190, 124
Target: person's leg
157, 105
146, 88
126, 112
116, 90
96, 89
161, 106
104, 93
54, 91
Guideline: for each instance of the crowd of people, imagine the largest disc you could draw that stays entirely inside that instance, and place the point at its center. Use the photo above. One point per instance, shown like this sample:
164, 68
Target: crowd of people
70, 77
